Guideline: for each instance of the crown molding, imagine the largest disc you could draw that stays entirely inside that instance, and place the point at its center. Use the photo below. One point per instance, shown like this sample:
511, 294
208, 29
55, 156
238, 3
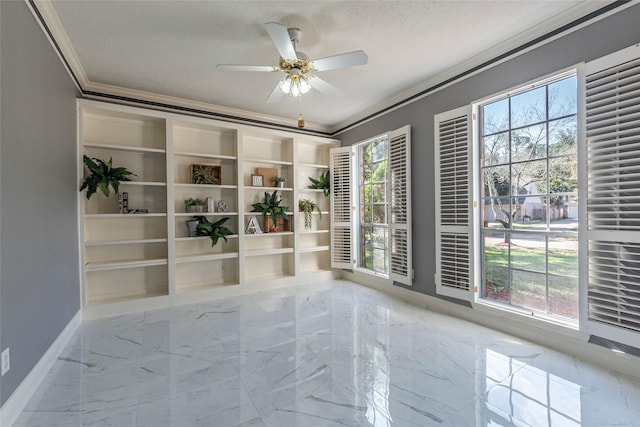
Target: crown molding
51, 25
509, 49
202, 109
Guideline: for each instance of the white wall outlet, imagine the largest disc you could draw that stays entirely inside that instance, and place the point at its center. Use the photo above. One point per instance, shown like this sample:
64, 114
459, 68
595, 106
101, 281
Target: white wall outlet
6, 361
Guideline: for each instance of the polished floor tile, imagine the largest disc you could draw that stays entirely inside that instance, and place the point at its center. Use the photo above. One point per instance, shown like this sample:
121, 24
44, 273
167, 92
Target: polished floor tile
330, 354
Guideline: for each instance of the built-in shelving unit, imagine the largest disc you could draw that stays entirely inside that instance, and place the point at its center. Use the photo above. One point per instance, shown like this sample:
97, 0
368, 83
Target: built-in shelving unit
139, 260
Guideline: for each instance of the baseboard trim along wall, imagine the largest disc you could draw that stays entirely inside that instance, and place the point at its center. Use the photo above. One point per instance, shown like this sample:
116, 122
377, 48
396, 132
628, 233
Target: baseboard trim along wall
18, 400
570, 342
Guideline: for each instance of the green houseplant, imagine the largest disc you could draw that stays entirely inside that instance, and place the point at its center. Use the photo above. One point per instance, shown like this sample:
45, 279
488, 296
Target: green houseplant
215, 230
194, 205
271, 204
308, 206
279, 181
102, 176
322, 183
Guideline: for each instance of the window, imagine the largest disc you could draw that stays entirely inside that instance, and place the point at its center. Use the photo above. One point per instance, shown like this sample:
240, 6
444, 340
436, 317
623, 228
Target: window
529, 203
519, 248
371, 206
372, 202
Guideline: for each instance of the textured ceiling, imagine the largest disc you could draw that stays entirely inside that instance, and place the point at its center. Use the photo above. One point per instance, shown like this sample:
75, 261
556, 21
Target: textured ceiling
172, 47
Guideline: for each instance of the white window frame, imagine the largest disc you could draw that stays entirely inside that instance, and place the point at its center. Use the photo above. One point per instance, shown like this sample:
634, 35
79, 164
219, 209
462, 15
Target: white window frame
398, 208
357, 186
576, 70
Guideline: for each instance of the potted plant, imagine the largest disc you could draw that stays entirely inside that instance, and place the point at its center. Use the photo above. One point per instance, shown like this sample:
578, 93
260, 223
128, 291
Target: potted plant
271, 206
308, 206
215, 230
194, 205
322, 183
279, 181
102, 176
192, 226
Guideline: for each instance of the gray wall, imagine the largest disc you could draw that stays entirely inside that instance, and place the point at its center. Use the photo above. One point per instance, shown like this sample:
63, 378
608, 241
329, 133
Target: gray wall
39, 282
616, 32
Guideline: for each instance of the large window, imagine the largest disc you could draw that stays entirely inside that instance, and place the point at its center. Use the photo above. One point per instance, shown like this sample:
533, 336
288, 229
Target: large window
529, 237
372, 201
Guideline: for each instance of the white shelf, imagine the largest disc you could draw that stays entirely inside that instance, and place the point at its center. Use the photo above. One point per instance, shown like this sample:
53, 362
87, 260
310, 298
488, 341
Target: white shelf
201, 286
258, 214
123, 242
205, 186
144, 262
262, 252
186, 239
206, 213
313, 249
314, 232
143, 183
269, 162
203, 155
100, 266
317, 213
200, 258
117, 147
277, 233
148, 215
312, 165
251, 187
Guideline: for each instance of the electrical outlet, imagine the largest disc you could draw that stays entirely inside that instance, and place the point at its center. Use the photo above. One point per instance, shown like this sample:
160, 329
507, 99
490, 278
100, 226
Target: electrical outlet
222, 267
6, 361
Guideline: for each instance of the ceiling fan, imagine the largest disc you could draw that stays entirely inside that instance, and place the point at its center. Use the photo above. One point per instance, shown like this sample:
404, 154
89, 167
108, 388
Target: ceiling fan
299, 70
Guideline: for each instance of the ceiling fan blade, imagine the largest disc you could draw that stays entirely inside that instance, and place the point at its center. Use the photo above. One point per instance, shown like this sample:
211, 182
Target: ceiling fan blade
280, 37
276, 94
233, 67
324, 87
350, 59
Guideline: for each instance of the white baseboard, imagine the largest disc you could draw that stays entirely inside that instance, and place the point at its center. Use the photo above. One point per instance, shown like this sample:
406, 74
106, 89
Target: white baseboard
570, 342
18, 400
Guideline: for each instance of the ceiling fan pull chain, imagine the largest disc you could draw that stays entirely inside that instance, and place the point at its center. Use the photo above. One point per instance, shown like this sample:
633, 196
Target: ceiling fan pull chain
300, 118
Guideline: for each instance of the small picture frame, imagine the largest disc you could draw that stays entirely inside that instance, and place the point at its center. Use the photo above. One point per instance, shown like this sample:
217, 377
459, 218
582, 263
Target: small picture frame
257, 180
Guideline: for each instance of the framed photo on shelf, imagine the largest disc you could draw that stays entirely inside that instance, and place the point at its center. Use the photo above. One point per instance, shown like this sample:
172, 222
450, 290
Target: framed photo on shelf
206, 174
257, 180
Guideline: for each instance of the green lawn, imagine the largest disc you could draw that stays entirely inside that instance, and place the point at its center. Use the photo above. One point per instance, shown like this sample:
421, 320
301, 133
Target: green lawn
561, 261
527, 286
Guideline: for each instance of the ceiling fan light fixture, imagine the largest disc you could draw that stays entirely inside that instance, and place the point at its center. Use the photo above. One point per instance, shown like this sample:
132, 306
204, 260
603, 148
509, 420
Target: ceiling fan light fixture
295, 84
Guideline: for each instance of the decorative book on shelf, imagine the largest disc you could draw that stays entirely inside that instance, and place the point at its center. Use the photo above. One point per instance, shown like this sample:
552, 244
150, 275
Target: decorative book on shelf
205, 174
282, 224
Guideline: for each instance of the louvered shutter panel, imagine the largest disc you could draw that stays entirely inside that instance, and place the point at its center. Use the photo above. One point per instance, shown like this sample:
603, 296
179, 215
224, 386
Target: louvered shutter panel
452, 204
399, 218
342, 208
612, 111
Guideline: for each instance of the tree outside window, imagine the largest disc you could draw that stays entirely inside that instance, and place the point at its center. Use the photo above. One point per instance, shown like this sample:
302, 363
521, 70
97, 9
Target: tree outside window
373, 178
529, 199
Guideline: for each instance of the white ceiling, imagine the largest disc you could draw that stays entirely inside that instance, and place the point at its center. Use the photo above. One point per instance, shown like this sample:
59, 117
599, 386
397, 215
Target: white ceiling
172, 47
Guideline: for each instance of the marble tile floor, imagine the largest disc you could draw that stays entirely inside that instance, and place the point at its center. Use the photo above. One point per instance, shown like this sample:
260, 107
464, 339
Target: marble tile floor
329, 354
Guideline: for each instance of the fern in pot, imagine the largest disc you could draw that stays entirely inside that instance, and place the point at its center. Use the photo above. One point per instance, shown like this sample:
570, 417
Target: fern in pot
214, 230
322, 183
102, 176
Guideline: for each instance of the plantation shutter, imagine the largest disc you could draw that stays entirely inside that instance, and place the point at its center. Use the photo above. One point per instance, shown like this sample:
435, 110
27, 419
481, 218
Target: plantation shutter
399, 198
453, 204
342, 208
612, 111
